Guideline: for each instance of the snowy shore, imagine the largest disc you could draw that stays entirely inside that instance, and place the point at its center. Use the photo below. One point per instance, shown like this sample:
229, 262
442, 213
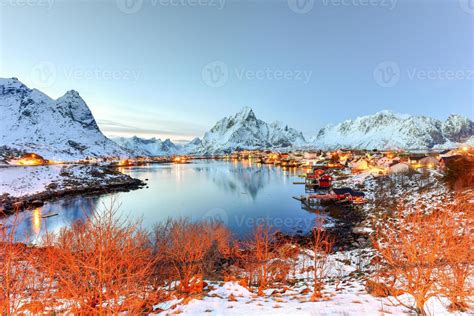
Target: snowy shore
24, 186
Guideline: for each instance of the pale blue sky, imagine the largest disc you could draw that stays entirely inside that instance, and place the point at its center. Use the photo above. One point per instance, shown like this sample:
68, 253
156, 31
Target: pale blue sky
146, 68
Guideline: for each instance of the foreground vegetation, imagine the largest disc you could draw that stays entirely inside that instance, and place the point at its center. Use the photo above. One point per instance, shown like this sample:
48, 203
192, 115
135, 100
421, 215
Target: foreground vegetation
110, 265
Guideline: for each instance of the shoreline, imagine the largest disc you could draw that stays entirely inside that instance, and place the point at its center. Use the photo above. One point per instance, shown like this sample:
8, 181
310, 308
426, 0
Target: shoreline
342, 233
70, 186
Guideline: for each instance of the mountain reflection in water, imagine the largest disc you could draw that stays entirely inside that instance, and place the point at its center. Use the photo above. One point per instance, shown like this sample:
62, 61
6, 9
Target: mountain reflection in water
241, 194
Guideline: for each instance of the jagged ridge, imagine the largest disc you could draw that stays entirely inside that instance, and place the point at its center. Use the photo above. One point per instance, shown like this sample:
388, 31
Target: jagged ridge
245, 131
389, 130
62, 129
156, 147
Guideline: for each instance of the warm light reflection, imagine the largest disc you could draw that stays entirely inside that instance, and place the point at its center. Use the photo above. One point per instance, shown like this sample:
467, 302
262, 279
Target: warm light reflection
179, 159
123, 162
55, 162
27, 162
36, 220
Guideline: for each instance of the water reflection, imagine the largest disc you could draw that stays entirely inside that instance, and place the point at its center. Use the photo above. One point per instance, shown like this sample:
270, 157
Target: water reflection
36, 220
31, 225
240, 192
240, 178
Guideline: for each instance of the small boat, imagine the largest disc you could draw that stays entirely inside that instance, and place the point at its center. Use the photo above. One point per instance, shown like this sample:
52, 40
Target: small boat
49, 215
336, 196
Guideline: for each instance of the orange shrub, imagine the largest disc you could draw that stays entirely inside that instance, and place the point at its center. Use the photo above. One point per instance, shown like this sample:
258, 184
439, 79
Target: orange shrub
186, 249
101, 266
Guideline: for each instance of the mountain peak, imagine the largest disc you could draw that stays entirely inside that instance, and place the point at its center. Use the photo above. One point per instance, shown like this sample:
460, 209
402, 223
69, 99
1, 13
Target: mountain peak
62, 129
390, 113
196, 141
72, 93
387, 129
245, 114
245, 131
12, 83
385, 112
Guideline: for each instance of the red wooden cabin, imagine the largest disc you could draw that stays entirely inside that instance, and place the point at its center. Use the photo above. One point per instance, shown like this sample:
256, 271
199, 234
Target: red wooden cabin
325, 181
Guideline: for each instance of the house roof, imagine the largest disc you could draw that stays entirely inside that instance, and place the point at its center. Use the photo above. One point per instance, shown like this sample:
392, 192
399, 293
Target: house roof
451, 158
342, 191
417, 157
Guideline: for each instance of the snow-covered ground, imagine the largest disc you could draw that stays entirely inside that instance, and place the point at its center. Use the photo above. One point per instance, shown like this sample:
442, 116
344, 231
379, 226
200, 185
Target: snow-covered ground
353, 300
20, 181
25, 181
344, 294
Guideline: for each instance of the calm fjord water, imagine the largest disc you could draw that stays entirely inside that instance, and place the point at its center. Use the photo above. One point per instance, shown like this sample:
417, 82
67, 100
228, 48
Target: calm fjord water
240, 194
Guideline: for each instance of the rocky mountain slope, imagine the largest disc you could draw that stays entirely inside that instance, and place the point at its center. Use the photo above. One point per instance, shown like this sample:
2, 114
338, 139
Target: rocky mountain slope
62, 129
389, 130
156, 147
65, 129
245, 131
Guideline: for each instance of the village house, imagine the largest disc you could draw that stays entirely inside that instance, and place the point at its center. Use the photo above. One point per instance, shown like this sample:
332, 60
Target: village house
447, 159
385, 162
359, 165
29, 159
429, 163
399, 168
310, 155
348, 194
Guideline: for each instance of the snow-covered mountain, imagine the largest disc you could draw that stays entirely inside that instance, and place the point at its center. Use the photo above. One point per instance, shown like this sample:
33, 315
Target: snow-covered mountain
245, 131
389, 130
156, 147
62, 129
